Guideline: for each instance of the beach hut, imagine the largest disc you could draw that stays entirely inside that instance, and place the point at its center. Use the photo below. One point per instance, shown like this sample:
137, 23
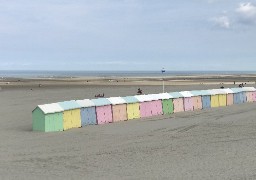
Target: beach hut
188, 101
214, 98
250, 93
206, 99
156, 102
87, 112
133, 107
149, 106
167, 103
178, 103
118, 109
238, 95
103, 110
197, 100
47, 118
230, 96
222, 97
71, 114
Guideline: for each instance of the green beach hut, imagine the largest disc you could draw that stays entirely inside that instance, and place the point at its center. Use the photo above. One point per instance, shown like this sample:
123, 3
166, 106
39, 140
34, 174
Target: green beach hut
48, 118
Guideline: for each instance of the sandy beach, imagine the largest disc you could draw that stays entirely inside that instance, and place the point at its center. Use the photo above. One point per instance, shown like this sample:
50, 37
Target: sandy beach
218, 143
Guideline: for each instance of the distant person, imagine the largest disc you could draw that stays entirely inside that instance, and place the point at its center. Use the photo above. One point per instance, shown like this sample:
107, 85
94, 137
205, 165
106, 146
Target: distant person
139, 91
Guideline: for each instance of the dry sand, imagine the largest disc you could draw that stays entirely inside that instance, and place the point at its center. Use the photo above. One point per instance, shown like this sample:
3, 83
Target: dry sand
219, 143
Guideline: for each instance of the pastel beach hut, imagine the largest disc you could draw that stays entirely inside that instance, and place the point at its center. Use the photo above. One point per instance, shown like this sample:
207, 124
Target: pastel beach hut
47, 118
133, 107
239, 96
188, 101
71, 114
156, 103
178, 102
87, 112
222, 97
197, 100
230, 96
119, 110
167, 103
145, 105
250, 93
214, 98
103, 110
206, 99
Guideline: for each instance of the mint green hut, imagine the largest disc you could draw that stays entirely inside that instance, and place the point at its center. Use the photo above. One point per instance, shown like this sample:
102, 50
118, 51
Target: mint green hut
48, 118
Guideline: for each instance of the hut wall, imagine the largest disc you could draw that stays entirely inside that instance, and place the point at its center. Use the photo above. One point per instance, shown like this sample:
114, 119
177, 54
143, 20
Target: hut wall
88, 116
133, 111
71, 119
222, 100
254, 96
119, 112
230, 99
197, 102
206, 100
214, 100
178, 105
156, 108
38, 123
188, 104
249, 96
145, 109
167, 105
104, 114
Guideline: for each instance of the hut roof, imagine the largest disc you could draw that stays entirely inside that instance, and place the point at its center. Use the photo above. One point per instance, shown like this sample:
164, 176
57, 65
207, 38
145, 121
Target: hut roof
130, 99
205, 93
249, 89
69, 105
101, 102
50, 108
186, 94
116, 100
228, 91
236, 90
144, 98
196, 93
85, 103
162, 96
176, 95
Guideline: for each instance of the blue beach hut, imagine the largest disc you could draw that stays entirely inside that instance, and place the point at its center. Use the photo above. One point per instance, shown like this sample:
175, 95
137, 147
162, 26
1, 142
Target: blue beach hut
87, 112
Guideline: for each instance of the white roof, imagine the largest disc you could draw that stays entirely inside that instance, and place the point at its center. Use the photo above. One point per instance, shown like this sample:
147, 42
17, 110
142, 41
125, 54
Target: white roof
186, 94
85, 103
116, 100
162, 96
217, 91
51, 108
144, 98
249, 89
228, 91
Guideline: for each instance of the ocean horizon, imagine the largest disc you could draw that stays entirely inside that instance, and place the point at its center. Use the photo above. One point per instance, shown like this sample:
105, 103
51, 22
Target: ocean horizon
56, 74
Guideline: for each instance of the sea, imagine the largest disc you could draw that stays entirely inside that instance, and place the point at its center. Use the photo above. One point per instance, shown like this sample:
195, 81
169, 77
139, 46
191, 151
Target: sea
62, 74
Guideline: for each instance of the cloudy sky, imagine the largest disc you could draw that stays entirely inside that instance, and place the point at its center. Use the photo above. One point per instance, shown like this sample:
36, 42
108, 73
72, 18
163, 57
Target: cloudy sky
127, 35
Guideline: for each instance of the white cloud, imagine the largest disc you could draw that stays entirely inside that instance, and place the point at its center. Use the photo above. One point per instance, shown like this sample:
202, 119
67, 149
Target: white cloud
247, 13
222, 21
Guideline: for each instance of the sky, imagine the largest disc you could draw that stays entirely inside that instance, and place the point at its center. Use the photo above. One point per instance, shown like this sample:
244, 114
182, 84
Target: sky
179, 35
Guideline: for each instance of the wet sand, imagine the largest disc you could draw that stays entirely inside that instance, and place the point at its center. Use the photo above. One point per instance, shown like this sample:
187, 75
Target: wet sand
219, 143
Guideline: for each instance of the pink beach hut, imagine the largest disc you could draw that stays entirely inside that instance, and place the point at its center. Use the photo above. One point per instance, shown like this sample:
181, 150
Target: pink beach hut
118, 108
188, 101
149, 105
250, 93
178, 102
197, 99
103, 110
230, 96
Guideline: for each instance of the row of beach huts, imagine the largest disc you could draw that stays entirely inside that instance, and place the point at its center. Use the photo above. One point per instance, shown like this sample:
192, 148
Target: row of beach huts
79, 113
